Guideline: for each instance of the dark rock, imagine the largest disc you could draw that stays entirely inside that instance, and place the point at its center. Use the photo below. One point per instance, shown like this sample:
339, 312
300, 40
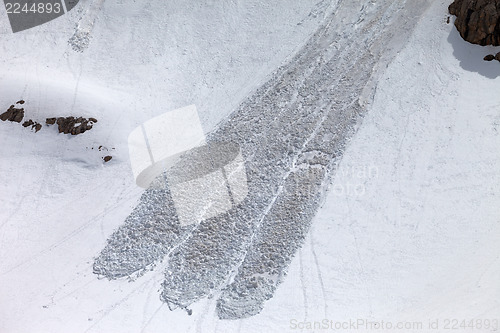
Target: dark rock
497, 56
67, 125
13, 114
478, 21
34, 125
50, 121
489, 57
28, 123
107, 158
71, 125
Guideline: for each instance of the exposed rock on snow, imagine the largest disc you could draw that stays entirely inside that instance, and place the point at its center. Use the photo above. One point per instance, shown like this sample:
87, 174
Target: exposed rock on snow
28, 123
72, 125
13, 114
478, 21
491, 57
67, 125
50, 121
34, 125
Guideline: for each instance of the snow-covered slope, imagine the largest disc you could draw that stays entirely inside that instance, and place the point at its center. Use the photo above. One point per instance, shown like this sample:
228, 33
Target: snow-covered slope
407, 232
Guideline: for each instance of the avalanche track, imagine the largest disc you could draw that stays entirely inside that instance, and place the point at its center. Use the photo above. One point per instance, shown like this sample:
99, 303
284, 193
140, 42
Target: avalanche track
292, 131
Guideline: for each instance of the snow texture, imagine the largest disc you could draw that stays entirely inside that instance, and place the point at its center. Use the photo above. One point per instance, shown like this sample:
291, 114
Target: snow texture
419, 241
291, 132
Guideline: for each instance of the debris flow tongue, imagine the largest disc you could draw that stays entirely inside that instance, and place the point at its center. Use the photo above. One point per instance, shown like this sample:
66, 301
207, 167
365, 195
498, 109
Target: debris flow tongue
291, 132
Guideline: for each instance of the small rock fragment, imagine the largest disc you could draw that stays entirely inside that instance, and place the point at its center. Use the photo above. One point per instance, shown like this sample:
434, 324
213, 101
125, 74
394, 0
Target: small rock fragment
497, 56
28, 123
107, 158
50, 121
489, 57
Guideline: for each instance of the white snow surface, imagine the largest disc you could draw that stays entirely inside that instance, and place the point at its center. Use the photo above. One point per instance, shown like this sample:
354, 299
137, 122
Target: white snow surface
408, 232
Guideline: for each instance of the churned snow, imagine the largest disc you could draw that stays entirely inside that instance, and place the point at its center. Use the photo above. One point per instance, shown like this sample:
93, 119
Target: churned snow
407, 232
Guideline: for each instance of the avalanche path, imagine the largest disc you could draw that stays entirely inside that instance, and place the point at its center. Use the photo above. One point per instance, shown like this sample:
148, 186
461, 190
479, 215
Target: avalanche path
292, 132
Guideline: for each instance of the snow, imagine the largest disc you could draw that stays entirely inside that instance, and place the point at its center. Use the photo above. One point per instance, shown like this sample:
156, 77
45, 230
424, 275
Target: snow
421, 241
408, 232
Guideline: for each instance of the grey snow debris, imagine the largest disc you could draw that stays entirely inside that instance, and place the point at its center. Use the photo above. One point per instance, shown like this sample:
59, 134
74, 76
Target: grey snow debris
80, 40
292, 131
147, 236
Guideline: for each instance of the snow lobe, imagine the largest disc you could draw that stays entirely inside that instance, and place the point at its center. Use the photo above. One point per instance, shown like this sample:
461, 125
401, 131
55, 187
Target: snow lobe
291, 133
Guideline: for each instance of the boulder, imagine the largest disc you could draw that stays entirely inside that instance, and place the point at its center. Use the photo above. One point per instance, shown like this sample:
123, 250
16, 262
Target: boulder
72, 125
50, 121
13, 114
478, 21
34, 125
28, 123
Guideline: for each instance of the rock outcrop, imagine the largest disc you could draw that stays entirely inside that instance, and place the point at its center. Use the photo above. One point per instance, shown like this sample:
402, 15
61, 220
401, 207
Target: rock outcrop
13, 114
72, 125
66, 125
478, 21
34, 125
